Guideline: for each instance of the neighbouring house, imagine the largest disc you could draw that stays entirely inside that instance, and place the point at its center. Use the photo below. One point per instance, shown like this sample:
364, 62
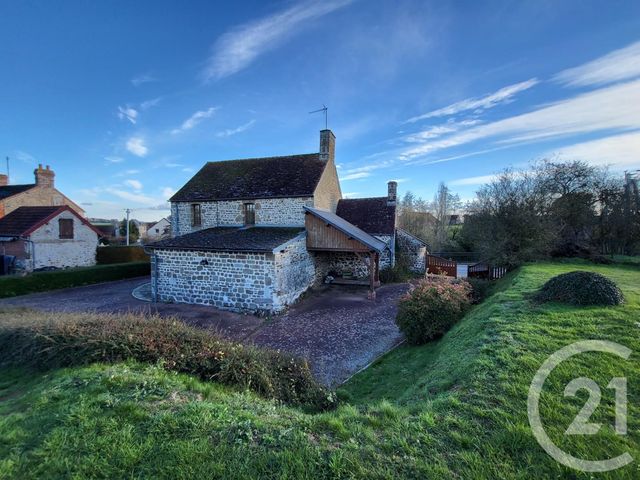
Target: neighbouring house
254, 234
108, 228
159, 230
41, 237
42, 193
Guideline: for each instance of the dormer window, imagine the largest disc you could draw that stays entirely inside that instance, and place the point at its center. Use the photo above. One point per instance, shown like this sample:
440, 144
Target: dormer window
196, 215
249, 214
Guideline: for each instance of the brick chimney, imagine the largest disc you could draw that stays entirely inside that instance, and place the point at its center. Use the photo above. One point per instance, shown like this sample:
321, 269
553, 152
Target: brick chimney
392, 192
4, 180
44, 176
327, 145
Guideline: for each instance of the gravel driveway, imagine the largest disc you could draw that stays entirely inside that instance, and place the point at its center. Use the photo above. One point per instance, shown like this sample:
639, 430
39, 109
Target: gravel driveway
336, 328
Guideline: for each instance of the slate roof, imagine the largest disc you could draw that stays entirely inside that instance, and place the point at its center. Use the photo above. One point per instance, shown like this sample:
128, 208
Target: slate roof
10, 190
233, 239
348, 228
270, 177
372, 215
25, 220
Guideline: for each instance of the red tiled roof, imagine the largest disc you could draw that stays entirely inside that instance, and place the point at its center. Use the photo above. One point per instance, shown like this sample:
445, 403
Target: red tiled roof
25, 220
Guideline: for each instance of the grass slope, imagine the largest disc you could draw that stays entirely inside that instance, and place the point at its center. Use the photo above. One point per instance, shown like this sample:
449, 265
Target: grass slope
452, 409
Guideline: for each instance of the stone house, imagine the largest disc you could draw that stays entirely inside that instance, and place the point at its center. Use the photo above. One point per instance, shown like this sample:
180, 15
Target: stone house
42, 193
41, 237
254, 234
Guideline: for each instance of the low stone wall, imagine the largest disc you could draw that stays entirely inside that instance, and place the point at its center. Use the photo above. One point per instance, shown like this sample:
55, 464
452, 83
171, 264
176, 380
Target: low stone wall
337, 262
412, 250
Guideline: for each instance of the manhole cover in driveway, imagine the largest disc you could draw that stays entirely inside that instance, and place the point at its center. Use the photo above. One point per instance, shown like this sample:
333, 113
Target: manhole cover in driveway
142, 292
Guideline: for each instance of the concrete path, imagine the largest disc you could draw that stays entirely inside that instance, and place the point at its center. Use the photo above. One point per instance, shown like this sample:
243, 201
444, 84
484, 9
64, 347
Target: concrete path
336, 328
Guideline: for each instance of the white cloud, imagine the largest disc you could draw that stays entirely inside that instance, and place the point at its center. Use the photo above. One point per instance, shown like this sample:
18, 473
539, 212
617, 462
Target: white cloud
136, 198
436, 131
137, 146
125, 173
233, 131
355, 176
238, 48
194, 120
147, 104
168, 192
187, 169
142, 79
622, 64
24, 157
114, 159
503, 95
619, 151
135, 184
351, 194
608, 108
128, 113
480, 180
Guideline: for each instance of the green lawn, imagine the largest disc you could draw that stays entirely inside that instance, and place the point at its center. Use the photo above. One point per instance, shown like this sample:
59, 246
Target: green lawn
452, 409
13, 285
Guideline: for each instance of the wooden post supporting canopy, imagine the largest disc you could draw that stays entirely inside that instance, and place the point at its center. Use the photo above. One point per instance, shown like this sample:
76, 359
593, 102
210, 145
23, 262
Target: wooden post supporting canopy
372, 275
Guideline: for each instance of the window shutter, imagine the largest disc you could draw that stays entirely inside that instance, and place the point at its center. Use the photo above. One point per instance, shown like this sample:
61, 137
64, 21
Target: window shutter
65, 227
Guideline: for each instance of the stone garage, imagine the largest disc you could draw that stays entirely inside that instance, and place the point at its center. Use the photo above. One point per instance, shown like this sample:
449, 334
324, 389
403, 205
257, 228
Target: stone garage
238, 269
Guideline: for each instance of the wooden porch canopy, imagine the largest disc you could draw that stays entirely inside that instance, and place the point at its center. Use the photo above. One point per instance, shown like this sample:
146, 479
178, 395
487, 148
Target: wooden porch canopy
327, 232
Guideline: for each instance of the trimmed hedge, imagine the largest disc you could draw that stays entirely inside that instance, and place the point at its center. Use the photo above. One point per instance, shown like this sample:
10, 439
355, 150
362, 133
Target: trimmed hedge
63, 340
581, 288
121, 254
13, 285
432, 307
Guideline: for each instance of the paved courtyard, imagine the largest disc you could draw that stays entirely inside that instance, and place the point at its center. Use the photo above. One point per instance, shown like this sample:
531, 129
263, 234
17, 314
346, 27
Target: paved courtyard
336, 328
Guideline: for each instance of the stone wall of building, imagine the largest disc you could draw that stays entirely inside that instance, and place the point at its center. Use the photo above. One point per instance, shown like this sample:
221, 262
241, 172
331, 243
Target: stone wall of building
285, 212
37, 196
49, 250
236, 281
295, 272
386, 257
328, 193
335, 263
413, 251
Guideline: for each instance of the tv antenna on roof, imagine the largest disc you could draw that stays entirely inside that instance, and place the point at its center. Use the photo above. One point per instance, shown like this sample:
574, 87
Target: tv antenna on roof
326, 115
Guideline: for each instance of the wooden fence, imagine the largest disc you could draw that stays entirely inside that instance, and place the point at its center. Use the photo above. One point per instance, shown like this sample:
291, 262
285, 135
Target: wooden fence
441, 266
482, 270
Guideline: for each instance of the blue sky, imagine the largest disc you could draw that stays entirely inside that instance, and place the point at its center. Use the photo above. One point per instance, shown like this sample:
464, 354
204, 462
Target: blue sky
126, 100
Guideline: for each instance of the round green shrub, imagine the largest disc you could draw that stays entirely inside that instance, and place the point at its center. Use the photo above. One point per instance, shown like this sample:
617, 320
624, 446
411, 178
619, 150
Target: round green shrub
431, 308
581, 288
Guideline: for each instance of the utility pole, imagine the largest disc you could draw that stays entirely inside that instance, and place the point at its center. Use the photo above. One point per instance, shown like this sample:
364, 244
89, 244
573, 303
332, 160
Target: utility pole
128, 210
8, 174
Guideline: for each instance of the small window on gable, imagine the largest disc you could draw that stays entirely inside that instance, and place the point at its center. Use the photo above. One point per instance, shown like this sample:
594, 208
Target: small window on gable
249, 214
196, 215
65, 228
